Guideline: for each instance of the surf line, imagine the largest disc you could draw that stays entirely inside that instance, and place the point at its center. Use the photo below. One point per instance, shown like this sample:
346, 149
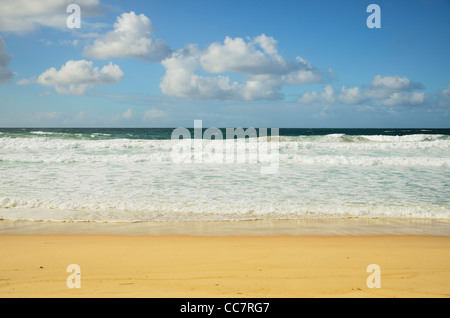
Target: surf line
240, 146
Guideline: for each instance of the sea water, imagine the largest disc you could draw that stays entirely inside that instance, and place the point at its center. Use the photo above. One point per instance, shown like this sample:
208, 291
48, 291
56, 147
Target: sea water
130, 175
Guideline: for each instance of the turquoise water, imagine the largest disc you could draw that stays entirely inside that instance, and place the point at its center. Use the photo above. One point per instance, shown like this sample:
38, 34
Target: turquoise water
165, 133
130, 175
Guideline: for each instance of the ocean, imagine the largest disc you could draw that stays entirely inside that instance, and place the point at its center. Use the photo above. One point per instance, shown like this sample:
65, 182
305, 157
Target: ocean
131, 175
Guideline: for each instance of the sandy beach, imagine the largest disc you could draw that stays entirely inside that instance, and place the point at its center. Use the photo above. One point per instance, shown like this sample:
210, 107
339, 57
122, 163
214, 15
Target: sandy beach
228, 266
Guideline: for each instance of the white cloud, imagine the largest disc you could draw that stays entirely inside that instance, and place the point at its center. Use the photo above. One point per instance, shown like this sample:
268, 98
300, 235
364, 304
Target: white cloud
395, 90
180, 80
398, 98
385, 87
236, 55
444, 97
268, 44
388, 90
265, 71
5, 74
327, 96
351, 95
394, 83
75, 77
21, 16
131, 37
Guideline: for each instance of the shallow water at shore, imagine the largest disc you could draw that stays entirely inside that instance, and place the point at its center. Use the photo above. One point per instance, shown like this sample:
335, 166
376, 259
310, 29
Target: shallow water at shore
323, 227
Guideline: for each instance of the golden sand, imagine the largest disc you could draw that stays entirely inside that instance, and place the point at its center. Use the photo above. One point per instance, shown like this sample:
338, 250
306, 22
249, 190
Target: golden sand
188, 266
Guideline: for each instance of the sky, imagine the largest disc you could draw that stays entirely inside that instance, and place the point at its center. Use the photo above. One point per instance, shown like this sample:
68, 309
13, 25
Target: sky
234, 63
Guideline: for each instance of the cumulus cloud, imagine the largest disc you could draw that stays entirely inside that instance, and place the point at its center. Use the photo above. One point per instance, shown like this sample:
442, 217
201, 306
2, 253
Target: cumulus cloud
181, 80
398, 98
265, 72
386, 87
21, 16
388, 90
236, 55
5, 74
327, 96
131, 37
75, 77
395, 90
444, 97
351, 95
267, 43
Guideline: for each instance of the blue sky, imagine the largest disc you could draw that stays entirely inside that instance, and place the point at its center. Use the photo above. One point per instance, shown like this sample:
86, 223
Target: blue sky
229, 63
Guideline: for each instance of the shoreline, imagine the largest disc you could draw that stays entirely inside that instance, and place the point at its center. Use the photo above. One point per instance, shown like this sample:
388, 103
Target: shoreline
289, 227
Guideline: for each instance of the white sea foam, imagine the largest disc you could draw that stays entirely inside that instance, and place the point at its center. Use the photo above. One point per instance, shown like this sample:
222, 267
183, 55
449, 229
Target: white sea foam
128, 212
128, 180
316, 148
41, 133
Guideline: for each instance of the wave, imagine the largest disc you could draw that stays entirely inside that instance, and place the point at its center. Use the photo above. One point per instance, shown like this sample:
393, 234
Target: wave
42, 133
332, 149
41, 138
57, 135
343, 138
107, 176
123, 211
318, 160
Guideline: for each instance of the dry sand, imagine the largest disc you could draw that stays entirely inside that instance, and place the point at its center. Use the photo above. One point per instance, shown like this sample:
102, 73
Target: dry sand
188, 266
